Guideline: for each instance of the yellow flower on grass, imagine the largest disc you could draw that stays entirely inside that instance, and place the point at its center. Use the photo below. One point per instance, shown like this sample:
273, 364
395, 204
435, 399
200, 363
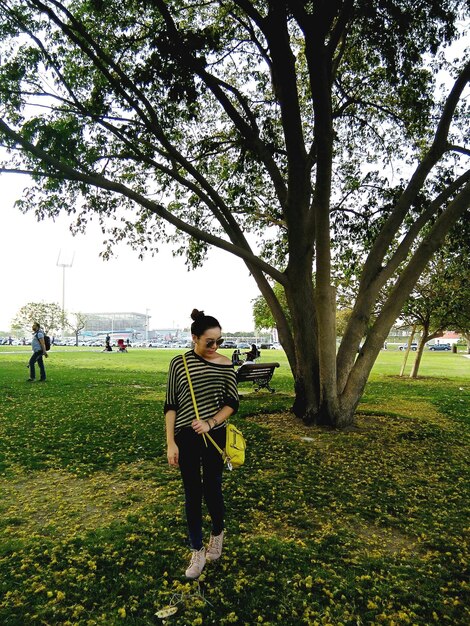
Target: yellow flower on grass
404, 617
122, 612
78, 609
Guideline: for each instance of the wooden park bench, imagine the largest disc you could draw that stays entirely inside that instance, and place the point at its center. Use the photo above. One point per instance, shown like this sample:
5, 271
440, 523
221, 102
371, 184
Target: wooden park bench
259, 374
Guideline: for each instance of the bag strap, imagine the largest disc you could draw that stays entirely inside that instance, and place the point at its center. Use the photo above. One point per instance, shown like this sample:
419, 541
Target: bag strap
196, 410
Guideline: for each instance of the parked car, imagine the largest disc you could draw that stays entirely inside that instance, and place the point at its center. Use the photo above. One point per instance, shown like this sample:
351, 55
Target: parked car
60, 342
243, 346
414, 346
440, 346
267, 346
229, 344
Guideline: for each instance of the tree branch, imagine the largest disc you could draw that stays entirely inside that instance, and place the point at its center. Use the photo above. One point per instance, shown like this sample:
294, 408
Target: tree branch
284, 79
207, 193
405, 245
364, 304
101, 182
250, 10
249, 133
453, 148
402, 289
438, 147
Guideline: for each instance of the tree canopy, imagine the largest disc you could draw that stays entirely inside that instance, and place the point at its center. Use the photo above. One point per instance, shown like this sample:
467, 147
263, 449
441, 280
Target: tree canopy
76, 322
48, 315
300, 136
262, 314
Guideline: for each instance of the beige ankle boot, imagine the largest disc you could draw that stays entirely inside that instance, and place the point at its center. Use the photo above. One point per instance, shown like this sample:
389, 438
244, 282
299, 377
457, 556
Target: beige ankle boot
214, 549
196, 565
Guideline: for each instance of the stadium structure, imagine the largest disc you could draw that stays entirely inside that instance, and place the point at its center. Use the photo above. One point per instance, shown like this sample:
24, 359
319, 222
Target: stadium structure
124, 324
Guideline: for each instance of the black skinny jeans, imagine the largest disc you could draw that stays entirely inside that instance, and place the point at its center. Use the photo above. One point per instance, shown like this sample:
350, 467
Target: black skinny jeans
194, 455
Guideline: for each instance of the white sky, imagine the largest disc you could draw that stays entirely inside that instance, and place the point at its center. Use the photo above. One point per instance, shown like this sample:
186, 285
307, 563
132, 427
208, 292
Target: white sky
29, 252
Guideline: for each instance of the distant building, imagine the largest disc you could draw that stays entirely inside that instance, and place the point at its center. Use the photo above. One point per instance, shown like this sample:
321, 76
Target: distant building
126, 324
449, 336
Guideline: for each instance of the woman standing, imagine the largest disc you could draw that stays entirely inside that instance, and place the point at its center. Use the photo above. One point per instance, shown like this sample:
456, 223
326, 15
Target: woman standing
215, 387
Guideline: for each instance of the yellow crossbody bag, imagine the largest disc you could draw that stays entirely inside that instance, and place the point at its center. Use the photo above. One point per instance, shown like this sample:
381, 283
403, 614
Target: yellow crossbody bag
235, 445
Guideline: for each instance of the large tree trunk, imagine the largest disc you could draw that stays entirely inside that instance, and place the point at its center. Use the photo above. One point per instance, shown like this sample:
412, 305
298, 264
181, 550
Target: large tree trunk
306, 373
329, 410
316, 396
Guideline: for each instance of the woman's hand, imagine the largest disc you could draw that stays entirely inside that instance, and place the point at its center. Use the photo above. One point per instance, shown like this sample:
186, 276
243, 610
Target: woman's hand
173, 454
201, 426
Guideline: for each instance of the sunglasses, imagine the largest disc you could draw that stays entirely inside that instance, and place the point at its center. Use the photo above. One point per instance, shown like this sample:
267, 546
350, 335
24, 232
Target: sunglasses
211, 342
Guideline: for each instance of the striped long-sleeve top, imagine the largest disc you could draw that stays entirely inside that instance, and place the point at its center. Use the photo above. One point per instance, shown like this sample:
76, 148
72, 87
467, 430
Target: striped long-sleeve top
214, 384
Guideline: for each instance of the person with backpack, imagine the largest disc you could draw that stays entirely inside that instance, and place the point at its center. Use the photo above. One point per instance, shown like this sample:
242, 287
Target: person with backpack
39, 348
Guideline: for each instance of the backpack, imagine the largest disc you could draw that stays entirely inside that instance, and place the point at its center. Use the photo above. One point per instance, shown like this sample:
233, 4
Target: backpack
47, 342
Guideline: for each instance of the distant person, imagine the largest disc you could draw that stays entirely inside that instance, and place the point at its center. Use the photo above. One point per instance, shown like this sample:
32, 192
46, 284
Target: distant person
121, 345
253, 354
236, 357
39, 351
107, 344
10, 340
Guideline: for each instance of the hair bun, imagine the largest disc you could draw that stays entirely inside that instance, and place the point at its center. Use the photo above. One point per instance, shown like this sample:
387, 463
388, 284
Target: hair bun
202, 322
195, 314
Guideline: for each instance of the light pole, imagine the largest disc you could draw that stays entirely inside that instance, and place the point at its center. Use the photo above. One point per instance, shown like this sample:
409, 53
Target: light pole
61, 263
147, 324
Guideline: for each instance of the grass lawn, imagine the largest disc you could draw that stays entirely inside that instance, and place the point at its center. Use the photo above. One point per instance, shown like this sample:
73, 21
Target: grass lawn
366, 527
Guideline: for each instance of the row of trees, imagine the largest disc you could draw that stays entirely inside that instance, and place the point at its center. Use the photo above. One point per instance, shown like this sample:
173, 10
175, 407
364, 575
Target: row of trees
51, 318
440, 299
303, 137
